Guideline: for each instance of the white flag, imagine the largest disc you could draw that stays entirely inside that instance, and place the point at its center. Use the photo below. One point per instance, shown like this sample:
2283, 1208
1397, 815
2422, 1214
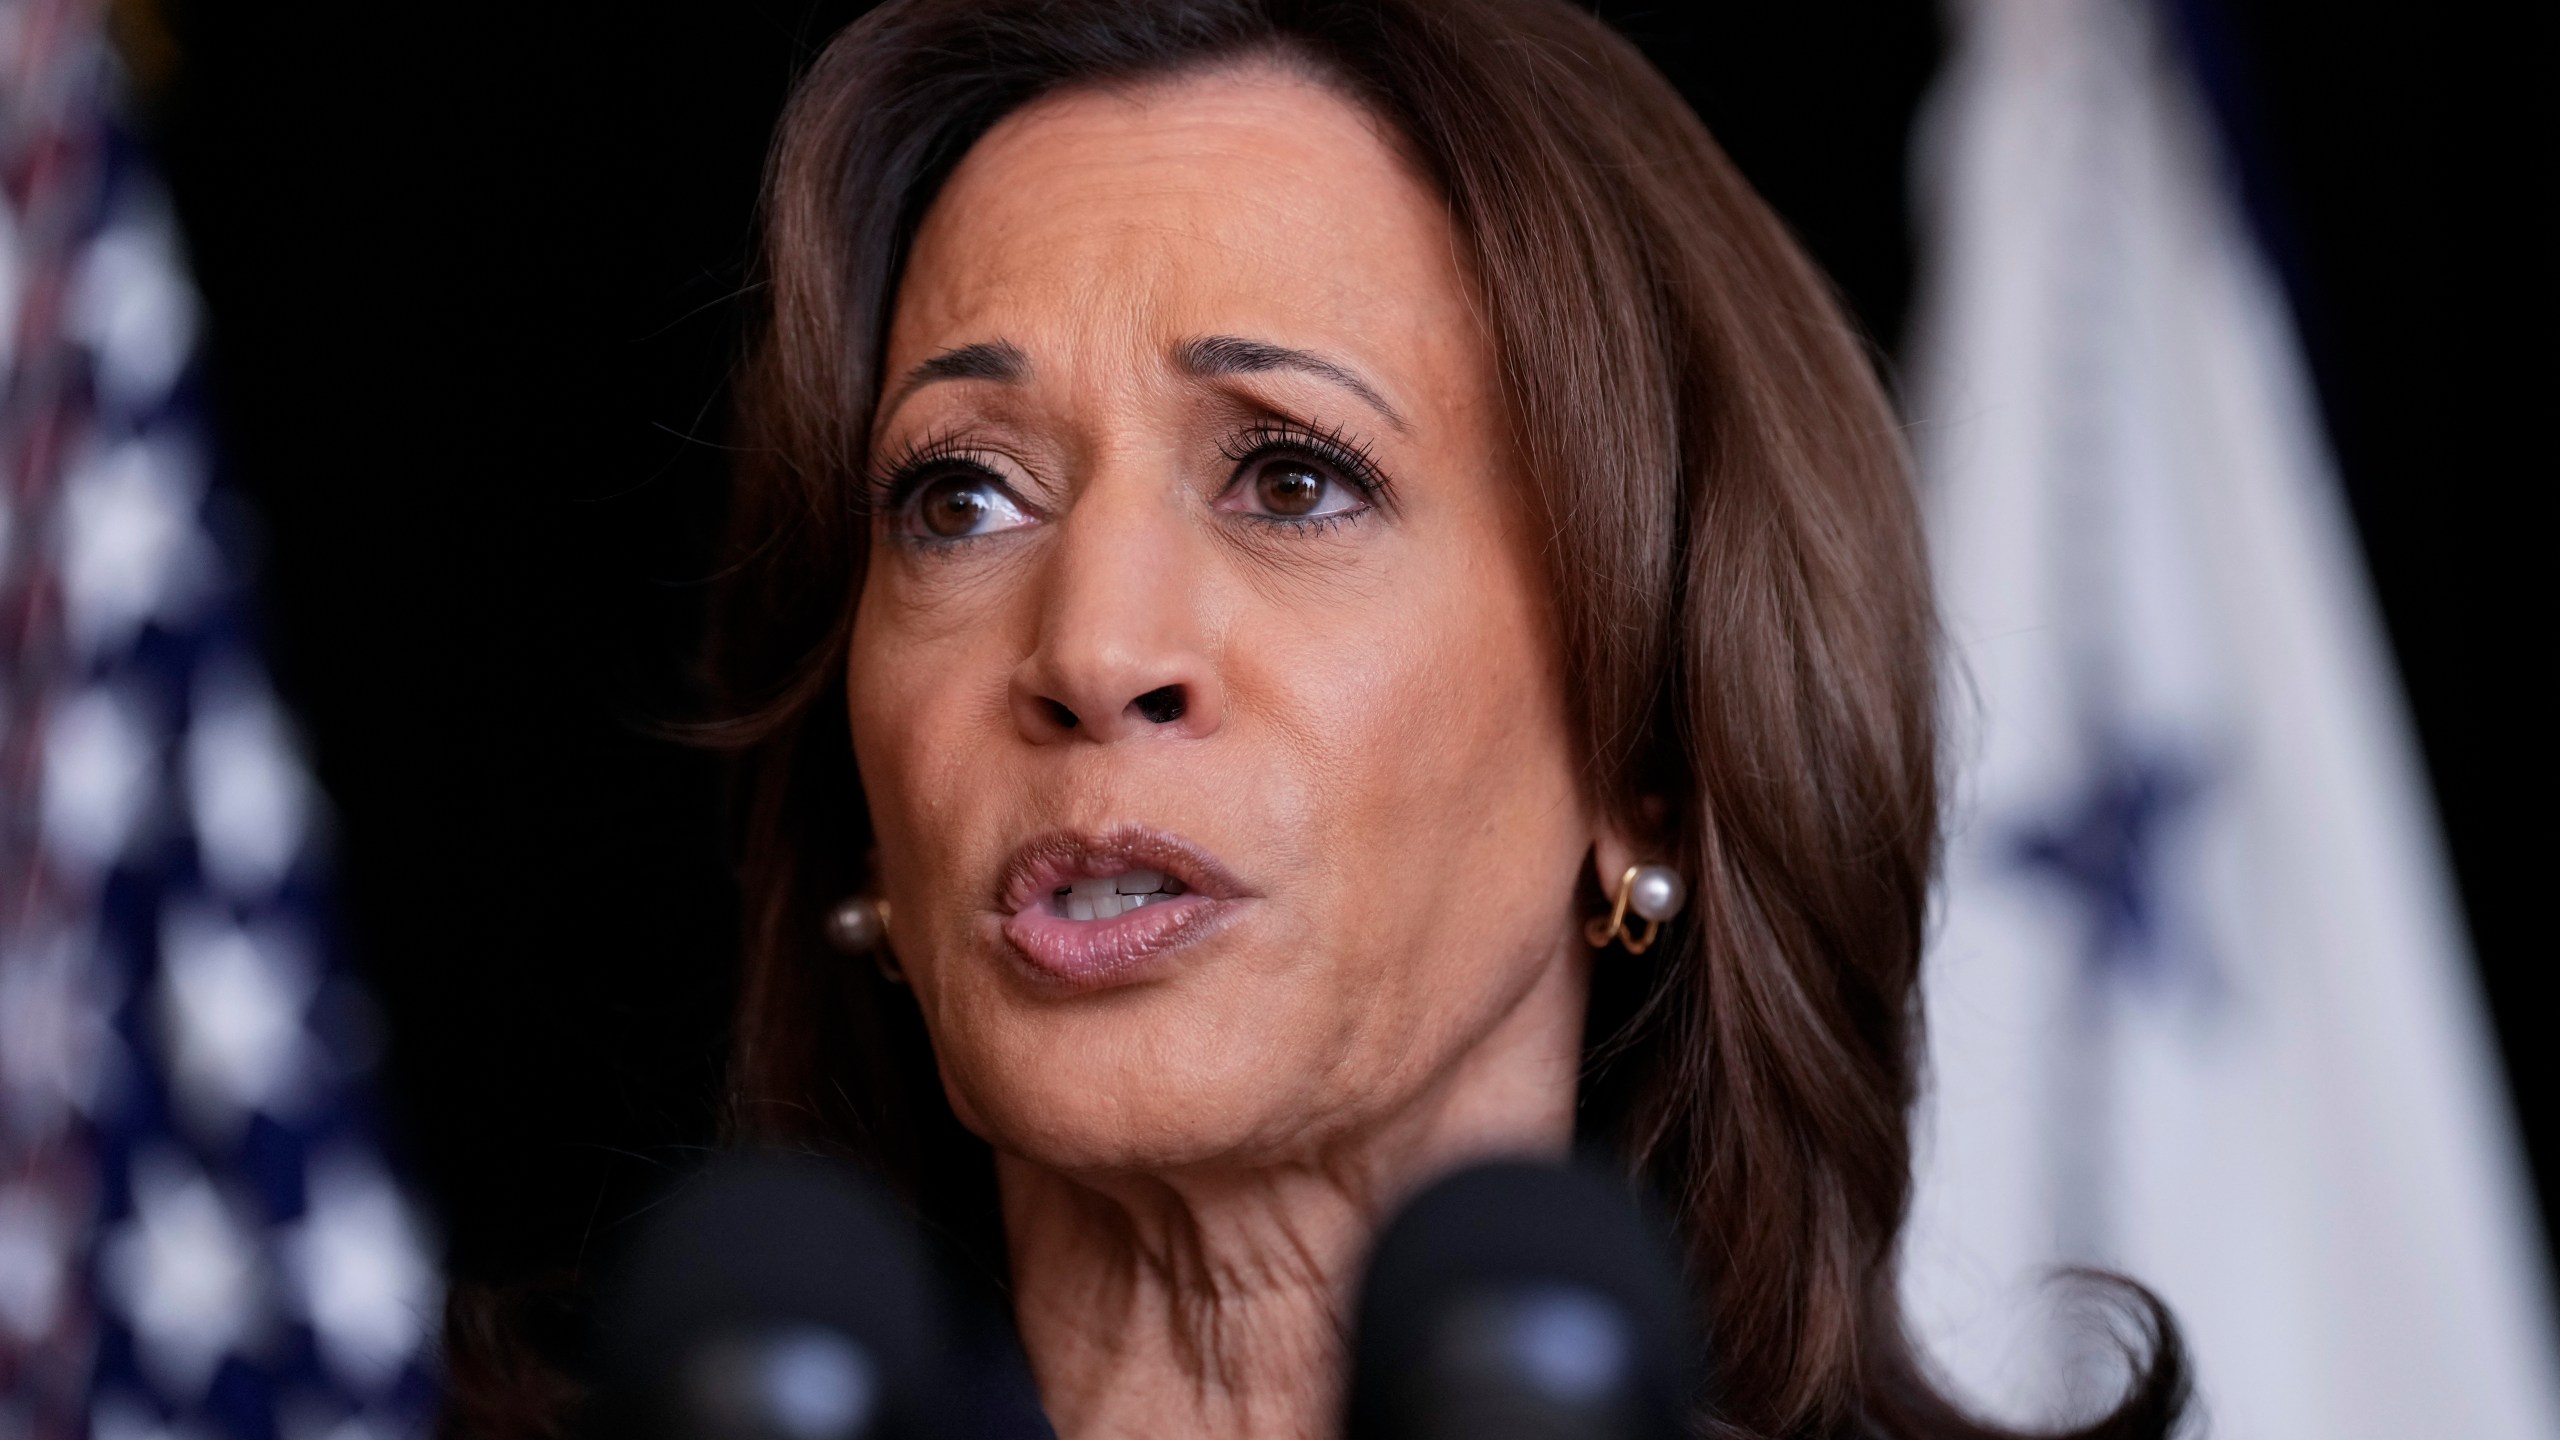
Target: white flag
2200, 1006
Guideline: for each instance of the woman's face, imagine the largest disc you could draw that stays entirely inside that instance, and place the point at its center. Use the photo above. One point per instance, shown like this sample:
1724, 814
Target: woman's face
1204, 685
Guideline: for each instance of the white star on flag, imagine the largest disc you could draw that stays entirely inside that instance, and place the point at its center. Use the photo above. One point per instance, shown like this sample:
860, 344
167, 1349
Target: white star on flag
246, 789
231, 1004
361, 1264
187, 1271
99, 759
131, 551
133, 306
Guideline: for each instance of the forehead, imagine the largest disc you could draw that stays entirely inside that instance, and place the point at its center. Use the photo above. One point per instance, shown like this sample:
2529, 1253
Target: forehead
1249, 200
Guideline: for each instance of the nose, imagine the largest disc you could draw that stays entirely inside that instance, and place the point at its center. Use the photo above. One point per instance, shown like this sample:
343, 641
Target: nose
1122, 650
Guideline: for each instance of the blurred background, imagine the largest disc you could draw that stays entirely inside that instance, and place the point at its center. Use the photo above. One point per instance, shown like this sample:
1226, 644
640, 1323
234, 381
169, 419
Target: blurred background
472, 279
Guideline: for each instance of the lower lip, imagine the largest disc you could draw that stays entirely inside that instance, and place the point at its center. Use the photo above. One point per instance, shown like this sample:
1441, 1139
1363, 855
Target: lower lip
1089, 953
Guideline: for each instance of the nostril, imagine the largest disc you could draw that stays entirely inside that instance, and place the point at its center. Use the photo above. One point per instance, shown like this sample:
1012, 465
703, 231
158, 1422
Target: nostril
1065, 718
1162, 705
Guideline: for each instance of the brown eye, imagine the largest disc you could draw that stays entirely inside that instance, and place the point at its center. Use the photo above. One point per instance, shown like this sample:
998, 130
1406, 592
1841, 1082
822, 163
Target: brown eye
1292, 479
1290, 487
960, 504
953, 507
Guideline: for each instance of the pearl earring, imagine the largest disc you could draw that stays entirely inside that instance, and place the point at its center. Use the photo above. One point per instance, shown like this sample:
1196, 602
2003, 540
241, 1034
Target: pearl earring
1654, 892
859, 925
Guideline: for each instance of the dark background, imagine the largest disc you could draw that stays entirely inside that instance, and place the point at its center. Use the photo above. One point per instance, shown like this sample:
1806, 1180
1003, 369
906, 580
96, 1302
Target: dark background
474, 273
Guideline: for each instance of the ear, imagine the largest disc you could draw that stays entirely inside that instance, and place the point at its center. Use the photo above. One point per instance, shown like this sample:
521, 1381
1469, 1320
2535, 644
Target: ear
1614, 848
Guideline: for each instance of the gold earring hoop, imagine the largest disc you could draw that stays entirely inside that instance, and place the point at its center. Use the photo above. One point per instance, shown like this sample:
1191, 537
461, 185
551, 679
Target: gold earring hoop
1654, 893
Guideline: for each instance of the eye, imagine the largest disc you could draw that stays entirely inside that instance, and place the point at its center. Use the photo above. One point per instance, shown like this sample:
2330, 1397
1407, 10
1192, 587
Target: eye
1286, 486
962, 503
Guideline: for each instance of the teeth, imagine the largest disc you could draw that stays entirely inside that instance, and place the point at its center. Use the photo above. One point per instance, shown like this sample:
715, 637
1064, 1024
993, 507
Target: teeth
1112, 895
1087, 900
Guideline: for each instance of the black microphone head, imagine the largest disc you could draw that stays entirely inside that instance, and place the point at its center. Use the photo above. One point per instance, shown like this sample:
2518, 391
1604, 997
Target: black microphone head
773, 1298
1515, 1300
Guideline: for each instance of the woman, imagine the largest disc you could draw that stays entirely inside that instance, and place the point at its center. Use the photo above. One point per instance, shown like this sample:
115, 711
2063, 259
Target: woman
1261, 518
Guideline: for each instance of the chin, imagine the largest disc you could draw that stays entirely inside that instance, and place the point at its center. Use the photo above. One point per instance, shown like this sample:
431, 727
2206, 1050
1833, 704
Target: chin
1105, 1119
1140, 1079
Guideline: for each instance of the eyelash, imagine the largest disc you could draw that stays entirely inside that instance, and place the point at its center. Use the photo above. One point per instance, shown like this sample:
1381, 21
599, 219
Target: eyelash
1336, 450
896, 479
901, 475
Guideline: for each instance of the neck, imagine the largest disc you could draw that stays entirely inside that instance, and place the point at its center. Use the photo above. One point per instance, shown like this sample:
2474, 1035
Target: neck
1217, 1300
1212, 1305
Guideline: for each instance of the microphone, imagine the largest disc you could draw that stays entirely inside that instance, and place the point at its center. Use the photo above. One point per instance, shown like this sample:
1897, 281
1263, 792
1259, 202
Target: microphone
1521, 1301
774, 1298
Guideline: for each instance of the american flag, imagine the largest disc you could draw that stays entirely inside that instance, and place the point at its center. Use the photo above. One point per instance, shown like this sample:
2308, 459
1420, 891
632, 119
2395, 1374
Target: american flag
200, 1234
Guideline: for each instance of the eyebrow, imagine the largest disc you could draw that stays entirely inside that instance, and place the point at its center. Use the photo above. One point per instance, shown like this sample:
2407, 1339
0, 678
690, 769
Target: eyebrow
998, 360
1205, 357
1213, 355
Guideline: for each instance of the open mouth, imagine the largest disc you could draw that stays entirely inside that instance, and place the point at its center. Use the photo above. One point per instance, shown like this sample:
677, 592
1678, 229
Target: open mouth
1087, 910
1107, 897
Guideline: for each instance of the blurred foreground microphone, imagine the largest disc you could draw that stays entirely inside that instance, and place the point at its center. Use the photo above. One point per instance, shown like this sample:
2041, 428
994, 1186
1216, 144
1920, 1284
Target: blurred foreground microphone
773, 1298
1516, 1301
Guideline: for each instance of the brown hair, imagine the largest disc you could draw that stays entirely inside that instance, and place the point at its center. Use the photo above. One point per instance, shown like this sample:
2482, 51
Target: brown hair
1741, 588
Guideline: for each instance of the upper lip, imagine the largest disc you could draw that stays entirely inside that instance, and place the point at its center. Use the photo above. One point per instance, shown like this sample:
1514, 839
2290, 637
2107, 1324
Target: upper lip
1044, 864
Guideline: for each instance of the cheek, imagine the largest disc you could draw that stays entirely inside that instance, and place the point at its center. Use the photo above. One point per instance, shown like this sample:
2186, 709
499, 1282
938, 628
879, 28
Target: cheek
1436, 789
1445, 699
925, 692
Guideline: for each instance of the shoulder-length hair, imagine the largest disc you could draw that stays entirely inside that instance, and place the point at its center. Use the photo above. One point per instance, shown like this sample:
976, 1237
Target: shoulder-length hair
1739, 580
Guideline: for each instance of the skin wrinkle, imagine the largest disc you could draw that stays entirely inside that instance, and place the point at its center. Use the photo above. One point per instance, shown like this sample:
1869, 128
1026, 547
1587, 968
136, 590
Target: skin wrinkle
986, 360
1214, 355
1190, 1165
